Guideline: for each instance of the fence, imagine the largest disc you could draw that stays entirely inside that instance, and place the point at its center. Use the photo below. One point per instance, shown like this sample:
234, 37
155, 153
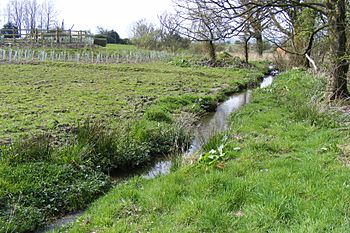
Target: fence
30, 55
48, 37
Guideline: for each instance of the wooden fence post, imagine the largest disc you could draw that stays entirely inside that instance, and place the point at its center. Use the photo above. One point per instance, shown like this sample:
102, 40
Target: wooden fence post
57, 36
70, 35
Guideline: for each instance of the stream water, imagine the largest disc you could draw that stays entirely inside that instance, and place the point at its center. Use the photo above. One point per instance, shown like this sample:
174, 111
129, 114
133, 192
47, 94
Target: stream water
208, 126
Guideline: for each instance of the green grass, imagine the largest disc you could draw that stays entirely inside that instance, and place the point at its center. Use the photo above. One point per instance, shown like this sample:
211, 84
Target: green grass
281, 172
73, 124
38, 98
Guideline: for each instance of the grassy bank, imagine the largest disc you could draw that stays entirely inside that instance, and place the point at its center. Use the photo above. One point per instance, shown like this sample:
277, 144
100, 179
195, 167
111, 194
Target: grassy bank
72, 124
282, 169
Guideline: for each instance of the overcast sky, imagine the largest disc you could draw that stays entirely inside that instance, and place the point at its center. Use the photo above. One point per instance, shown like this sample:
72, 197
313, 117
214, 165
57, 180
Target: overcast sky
111, 14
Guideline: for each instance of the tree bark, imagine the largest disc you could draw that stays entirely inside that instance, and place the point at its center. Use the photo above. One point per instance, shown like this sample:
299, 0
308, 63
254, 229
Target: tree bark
337, 84
212, 52
259, 44
246, 50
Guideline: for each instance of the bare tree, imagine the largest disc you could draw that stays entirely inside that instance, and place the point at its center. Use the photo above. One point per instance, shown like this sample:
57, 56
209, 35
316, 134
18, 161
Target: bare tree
169, 32
200, 21
169, 23
15, 11
333, 13
31, 14
255, 24
48, 16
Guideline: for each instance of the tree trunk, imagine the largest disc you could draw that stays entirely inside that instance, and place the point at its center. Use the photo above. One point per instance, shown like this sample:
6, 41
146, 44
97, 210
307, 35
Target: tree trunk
337, 84
259, 44
246, 50
212, 52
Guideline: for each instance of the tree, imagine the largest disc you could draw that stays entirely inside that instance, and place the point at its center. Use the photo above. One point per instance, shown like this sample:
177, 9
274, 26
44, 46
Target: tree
31, 14
15, 11
48, 16
111, 36
10, 30
145, 35
256, 23
201, 21
169, 33
334, 18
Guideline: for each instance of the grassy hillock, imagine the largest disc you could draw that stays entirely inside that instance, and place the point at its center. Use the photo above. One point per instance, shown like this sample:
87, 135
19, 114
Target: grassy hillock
282, 168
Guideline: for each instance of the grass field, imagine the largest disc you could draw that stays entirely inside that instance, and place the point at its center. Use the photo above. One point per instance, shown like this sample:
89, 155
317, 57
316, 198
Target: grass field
125, 116
37, 98
282, 170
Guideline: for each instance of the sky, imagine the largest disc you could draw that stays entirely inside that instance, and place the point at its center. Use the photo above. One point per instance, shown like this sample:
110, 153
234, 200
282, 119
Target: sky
118, 15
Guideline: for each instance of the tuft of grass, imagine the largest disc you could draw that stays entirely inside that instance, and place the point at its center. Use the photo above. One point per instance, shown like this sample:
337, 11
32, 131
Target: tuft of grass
157, 114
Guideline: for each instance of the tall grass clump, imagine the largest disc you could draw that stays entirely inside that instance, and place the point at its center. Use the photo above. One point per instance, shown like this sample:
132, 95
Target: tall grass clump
32, 149
307, 105
108, 149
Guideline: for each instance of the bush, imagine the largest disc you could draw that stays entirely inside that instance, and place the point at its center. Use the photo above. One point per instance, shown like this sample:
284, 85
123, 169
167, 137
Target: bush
100, 40
181, 62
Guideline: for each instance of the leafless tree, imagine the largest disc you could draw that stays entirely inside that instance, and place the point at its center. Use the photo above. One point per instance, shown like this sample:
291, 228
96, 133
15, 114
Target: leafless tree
48, 16
333, 13
169, 32
201, 21
169, 23
31, 14
256, 22
15, 13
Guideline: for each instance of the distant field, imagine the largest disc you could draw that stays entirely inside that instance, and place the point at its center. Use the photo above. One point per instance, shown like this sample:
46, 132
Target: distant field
50, 96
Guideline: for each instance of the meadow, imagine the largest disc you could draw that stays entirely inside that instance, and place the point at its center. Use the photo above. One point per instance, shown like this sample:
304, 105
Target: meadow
282, 167
65, 126
54, 96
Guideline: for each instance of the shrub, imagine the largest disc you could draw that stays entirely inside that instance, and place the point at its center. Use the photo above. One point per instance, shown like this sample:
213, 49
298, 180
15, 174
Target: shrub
181, 62
100, 40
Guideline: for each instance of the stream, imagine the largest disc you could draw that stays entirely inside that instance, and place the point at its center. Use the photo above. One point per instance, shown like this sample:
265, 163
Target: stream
209, 125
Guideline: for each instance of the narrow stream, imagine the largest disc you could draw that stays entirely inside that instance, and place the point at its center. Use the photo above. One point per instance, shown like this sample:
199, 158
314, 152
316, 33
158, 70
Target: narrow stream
210, 125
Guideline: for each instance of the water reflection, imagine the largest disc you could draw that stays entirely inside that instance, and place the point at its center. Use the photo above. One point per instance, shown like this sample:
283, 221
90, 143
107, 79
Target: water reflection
210, 125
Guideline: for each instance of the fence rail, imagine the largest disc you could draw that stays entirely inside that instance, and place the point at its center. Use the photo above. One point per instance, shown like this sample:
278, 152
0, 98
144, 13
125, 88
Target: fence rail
39, 36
